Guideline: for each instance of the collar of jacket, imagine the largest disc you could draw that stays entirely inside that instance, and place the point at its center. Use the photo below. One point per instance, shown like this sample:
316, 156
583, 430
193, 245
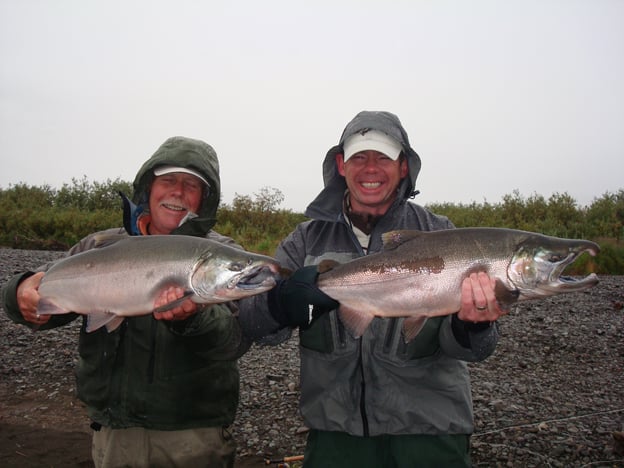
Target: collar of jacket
334, 212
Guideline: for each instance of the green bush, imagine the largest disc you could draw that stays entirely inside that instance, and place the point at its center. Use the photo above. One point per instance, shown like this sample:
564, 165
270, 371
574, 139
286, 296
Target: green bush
257, 223
45, 218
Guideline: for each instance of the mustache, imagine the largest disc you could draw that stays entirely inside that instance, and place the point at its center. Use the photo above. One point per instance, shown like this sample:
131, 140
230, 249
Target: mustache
175, 203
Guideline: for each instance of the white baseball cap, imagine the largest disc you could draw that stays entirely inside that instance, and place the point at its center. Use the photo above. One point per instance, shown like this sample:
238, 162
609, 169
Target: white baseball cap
371, 140
162, 170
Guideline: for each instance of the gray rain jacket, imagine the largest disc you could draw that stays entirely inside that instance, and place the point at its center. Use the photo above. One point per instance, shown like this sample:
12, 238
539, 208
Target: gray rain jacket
377, 384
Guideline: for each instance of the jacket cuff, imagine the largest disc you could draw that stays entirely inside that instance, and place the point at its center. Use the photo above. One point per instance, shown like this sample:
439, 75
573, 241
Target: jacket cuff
275, 308
9, 297
462, 330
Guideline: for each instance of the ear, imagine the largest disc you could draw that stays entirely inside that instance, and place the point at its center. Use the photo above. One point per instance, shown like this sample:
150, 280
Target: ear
340, 164
404, 169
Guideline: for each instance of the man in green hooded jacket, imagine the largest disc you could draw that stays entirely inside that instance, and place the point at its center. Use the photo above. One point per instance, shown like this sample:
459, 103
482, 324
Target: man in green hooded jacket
161, 389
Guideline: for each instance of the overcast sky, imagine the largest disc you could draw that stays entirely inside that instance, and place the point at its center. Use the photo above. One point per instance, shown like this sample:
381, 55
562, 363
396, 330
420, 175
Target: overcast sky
496, 96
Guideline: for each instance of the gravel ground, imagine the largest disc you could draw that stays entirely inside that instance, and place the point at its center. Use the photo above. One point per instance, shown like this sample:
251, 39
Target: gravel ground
552, 395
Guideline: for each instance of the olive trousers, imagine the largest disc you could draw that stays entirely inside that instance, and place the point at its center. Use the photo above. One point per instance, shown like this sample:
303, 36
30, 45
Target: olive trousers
137, 447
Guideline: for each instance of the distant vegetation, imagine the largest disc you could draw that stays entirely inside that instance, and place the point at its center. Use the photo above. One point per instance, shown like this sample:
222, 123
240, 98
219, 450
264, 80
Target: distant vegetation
45, 218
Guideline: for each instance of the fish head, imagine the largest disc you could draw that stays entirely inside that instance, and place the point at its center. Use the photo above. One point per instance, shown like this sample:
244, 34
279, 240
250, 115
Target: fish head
229, 274
537, 266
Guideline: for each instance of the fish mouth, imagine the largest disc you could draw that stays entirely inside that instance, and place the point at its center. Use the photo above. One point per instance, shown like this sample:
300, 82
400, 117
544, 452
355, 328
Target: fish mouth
537, 269
558, 282
261, 276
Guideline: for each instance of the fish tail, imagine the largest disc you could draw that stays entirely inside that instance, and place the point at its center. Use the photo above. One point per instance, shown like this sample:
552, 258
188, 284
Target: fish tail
47, 307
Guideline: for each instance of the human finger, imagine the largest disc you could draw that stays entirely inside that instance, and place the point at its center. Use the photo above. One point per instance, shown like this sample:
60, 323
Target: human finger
28, 299
179, 312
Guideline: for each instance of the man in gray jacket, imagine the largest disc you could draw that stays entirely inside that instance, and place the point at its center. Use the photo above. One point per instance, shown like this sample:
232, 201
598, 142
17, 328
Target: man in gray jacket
376, 401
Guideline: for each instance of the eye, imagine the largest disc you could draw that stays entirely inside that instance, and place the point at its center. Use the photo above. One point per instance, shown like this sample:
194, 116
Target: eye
192, 186
357, 158
555, 258
236, 267
166, 179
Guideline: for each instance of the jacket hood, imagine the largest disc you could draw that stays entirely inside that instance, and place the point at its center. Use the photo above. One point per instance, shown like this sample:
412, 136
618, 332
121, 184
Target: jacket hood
192, 154
329, 201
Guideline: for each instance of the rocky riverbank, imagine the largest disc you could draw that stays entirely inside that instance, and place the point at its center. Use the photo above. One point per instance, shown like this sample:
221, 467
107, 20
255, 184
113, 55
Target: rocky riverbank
552, 394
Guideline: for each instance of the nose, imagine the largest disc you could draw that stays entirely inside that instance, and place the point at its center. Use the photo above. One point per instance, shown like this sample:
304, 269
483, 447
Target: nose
370, 164
177, 187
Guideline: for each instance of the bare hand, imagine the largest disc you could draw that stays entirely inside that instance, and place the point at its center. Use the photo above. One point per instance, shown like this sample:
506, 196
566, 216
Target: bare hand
478, 300
28, 299
181, 312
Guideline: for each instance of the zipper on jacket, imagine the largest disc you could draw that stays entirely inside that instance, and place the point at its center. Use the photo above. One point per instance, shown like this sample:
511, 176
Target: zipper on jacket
365, 430
363, 252
152, 358
363, 383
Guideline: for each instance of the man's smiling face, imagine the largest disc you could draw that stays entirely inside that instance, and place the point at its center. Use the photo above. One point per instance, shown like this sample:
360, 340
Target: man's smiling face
372, 179
172, 197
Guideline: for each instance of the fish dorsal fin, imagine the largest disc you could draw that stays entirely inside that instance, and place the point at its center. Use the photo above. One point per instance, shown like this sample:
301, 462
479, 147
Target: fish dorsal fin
392, 239
327, 265
102, 240
176, 303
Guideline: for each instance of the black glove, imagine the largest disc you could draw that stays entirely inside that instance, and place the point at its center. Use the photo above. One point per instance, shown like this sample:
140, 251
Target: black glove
290, 299
462, 330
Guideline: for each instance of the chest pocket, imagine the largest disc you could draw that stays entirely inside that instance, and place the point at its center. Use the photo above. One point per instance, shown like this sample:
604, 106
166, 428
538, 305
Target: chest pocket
318, 336
327, 335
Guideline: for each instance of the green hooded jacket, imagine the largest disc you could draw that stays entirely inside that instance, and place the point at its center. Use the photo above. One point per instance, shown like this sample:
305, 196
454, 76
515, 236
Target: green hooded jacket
191, 154
152, 373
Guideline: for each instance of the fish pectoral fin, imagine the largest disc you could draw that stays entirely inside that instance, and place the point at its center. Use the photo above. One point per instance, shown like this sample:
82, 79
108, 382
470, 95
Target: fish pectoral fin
326, 265
356, 322
172, 304
412, 327
97, 320
505, 296
114, 323
47, 307
393, 239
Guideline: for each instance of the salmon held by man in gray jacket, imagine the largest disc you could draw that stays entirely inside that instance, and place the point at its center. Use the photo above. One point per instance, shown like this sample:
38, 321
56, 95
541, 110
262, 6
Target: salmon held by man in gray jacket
419, 274
125, 278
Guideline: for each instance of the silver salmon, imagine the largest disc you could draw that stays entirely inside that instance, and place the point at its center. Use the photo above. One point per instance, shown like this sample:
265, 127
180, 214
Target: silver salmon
124, 279
419, 274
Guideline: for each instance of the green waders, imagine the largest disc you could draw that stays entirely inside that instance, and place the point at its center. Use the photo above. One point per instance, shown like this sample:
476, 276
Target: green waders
339, 450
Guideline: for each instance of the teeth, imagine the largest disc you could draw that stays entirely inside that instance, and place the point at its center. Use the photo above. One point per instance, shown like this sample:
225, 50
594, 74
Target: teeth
174, 207
371, 185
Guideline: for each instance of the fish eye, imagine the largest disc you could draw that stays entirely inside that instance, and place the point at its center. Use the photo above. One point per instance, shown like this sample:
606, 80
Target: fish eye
236, 267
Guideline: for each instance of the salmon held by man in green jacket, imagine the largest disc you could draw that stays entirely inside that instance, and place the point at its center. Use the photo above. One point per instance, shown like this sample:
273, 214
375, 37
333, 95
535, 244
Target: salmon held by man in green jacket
125, 278
419, 274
